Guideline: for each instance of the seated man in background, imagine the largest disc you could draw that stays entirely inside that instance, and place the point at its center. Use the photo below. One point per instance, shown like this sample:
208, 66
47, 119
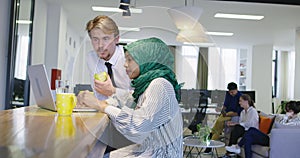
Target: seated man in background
230, 108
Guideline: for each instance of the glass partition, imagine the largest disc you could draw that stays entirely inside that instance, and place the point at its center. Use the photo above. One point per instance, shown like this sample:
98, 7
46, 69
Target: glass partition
19, 55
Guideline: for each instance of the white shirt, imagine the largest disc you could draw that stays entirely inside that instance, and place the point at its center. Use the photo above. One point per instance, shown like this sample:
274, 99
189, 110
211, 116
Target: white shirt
96, 65
249, 118
155, 125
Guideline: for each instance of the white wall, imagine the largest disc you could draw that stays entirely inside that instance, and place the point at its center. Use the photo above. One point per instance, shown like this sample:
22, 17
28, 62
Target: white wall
283, 75
38, 37
52, 37
4, 34
297, 65
262, 76
81, 75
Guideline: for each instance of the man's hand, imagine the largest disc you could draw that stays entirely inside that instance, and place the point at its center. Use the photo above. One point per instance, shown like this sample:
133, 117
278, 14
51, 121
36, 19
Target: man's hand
105, 88
223, 112
231, 114
230, 123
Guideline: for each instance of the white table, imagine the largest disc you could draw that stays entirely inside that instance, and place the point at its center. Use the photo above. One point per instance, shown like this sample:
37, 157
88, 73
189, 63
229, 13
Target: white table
192, 142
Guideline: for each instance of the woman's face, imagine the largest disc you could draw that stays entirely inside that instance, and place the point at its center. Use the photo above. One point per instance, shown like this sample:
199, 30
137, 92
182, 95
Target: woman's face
132, 68
244, 103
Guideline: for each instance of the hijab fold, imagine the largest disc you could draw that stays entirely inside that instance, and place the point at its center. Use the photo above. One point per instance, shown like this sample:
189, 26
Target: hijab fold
155, 60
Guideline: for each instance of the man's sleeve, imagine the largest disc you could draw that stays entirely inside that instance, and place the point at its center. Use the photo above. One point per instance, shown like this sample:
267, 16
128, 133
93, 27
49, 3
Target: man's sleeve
226, 101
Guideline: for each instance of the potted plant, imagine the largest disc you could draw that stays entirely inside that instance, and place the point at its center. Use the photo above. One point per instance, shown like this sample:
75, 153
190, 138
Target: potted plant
203, 133
281, 108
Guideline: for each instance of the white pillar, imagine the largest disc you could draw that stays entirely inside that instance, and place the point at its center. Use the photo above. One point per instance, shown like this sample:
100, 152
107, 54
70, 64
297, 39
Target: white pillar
55, 37
262, 76
297, 65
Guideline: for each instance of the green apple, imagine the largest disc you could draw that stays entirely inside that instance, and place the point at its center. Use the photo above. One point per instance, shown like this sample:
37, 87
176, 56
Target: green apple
102, 76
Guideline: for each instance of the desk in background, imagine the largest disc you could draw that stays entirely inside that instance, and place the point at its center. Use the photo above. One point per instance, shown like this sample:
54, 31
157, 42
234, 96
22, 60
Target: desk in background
36, 132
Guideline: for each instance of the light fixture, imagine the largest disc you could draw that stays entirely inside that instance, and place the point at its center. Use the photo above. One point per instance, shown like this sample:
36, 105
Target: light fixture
238, 16
126, 13
186, 20
117, 10
199, 44
127, 40
185, 17
219, 33
129, 29
125, 2
194, 35
124, 7
23, 21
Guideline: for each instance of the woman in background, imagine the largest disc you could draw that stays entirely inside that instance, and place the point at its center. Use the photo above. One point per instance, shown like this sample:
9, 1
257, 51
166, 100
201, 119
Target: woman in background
248, 118
256, 137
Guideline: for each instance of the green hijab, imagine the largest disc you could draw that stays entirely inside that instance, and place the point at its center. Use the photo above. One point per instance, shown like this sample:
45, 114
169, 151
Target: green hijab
155, 60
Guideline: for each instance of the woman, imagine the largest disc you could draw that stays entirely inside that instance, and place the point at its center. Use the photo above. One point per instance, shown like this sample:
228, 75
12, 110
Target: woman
154, 123
248, 118
256, 137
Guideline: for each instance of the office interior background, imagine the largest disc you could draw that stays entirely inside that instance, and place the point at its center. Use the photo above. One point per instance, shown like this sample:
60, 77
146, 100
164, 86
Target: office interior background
261, 55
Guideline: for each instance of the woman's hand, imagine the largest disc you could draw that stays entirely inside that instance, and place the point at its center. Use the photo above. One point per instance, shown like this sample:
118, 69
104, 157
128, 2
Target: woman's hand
87, 99
105, 88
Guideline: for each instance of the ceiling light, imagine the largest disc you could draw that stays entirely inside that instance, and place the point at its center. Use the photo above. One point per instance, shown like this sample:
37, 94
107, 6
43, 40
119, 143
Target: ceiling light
126, 40
23, 21
126, 13
124, 7
238, 16
200, 44
194, 35
186, 21
219, 33
185, 17
125, 2
117, 10
129, 29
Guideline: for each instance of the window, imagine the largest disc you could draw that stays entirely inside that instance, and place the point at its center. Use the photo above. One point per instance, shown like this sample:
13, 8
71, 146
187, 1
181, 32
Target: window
186, 65
222, 67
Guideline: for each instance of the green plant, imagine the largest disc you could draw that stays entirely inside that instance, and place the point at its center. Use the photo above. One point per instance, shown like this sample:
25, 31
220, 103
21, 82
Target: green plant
281, 108
203, 133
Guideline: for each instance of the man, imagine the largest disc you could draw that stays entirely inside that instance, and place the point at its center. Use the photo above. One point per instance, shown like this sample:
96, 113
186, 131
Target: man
104, 35
107, 56
230, 108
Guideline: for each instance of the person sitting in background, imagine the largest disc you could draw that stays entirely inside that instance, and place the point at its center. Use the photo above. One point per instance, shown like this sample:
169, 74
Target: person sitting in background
154, 123
230, 108
248, 118
256, 137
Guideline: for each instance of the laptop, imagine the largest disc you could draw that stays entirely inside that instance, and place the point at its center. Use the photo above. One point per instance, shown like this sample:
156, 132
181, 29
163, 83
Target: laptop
41, 89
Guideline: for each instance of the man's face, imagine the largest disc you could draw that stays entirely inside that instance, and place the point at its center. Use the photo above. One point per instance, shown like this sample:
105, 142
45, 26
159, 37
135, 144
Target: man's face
103, 44
233, 92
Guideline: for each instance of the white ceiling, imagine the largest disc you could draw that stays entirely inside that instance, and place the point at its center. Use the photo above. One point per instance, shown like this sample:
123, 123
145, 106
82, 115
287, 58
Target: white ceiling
277, 28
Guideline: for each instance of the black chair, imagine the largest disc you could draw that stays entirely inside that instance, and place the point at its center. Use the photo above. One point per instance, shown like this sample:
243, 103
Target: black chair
82, 87
201, 112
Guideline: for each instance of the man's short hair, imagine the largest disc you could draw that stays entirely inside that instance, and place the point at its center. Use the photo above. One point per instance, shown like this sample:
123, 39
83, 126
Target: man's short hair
105, 23
232, 86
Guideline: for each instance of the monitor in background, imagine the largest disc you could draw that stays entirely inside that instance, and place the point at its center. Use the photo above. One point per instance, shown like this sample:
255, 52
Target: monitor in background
218, 96
250, 93
82, 87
